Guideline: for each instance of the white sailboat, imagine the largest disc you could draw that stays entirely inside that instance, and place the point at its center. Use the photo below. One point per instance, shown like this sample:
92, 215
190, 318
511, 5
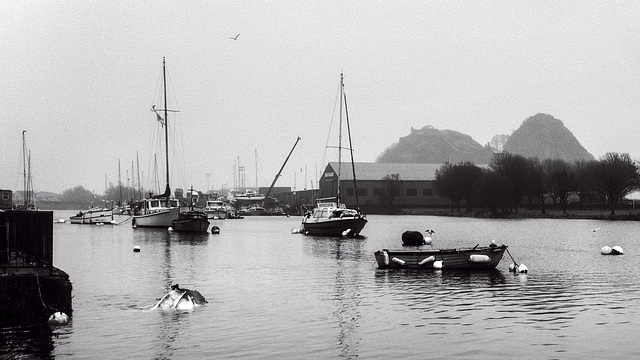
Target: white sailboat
330, 217
160, 210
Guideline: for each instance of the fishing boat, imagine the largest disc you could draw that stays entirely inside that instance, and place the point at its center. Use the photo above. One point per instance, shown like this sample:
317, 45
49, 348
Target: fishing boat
216, 209
95, 215
330, 217
160, 210
475, 258
192, 220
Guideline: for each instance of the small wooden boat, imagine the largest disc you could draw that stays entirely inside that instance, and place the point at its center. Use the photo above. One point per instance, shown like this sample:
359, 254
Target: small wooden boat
475, 258
95, 215
194, 221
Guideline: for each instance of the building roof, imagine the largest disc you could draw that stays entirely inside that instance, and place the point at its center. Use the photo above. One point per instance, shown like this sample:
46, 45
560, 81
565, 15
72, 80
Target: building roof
376, 171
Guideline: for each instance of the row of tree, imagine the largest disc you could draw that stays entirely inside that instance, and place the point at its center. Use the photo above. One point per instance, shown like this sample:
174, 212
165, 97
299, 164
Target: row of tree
511, 179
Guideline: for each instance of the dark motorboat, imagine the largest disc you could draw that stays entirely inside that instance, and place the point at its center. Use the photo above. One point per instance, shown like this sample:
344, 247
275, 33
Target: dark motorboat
332, 219
194, 221
475, 258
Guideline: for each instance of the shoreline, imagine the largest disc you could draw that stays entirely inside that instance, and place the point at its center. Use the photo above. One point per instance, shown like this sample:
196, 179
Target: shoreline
600, 214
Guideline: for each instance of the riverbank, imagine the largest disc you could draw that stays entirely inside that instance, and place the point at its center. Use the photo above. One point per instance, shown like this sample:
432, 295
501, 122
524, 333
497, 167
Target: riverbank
524, 213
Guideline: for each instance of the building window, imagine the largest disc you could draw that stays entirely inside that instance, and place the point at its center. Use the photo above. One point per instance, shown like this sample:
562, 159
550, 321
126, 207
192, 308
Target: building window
427, 192
378, 192
412, 192
362, 192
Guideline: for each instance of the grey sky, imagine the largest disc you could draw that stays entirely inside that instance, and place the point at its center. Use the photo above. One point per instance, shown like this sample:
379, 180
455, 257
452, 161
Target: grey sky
81, 76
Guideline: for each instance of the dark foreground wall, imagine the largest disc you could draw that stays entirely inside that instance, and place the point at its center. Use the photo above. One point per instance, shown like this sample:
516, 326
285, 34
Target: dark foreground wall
32, 298
31, 288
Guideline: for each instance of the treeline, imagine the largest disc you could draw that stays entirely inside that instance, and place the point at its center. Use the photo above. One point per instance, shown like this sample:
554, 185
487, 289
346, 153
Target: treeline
113, 195
511, 179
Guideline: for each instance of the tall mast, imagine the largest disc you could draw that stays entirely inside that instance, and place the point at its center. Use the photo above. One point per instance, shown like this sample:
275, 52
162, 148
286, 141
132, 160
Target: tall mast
340, 139
138, 167
167, 190
119, 183
353, 166
24, 167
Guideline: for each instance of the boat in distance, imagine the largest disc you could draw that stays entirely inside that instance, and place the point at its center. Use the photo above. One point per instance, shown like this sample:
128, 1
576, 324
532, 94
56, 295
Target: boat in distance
194, 221
475, 258
216, 209
95, 215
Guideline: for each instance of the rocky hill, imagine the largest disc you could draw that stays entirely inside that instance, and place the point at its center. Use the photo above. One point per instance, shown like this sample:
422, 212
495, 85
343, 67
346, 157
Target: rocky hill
544, 136
433, 146
540, 136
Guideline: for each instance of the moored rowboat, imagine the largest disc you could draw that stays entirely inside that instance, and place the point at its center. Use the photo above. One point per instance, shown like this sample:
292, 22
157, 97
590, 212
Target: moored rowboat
476, 258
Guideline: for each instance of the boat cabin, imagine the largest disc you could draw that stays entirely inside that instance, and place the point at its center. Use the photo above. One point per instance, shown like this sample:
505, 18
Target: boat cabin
153, 205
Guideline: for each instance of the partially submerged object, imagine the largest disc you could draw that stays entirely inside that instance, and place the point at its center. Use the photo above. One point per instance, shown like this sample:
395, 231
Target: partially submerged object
180, 299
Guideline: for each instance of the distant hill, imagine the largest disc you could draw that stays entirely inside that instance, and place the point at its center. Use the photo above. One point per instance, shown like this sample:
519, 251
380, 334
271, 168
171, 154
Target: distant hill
544, 137
433, 146
540, 136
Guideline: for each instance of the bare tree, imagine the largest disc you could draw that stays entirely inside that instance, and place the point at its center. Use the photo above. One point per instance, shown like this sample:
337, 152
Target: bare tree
616, 176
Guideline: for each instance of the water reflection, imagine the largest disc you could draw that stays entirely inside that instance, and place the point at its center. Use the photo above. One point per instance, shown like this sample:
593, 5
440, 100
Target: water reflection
23, 342
347, 282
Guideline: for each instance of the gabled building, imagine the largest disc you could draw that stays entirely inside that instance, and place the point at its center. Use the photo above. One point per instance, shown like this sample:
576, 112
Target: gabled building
412, 187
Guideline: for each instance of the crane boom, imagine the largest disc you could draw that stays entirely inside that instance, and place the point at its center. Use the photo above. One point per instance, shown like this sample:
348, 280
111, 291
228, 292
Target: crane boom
280, 172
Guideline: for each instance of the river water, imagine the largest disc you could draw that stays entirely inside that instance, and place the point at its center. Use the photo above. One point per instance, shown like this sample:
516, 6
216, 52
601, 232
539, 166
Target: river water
273, 294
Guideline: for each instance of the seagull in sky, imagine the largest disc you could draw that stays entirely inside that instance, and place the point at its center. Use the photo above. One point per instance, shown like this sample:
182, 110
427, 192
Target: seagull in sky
234, 38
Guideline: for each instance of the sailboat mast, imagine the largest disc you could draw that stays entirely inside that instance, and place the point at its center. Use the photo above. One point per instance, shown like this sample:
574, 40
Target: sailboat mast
340, 139
166, 128
353, 166
119, 183
24, 168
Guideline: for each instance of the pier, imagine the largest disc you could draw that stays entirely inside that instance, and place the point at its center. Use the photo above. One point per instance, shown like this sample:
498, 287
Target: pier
31, 288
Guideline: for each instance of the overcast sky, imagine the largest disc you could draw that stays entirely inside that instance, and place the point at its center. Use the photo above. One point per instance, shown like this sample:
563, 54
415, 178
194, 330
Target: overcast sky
81, 77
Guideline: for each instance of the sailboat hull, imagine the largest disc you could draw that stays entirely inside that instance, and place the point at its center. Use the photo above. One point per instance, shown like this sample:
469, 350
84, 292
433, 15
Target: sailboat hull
160, 218
333, 227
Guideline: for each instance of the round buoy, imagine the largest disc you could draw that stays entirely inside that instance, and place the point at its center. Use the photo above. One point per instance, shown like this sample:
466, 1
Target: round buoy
215, 230
58, 318
136, 248
295, 231
427, 240
438, 264
522, 269
606, 250
616, 250
170, 228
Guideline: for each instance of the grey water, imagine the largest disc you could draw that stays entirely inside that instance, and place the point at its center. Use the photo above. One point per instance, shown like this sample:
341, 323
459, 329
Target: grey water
275, 294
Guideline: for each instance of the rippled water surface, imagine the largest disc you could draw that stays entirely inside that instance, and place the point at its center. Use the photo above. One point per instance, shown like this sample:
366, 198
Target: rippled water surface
274, 294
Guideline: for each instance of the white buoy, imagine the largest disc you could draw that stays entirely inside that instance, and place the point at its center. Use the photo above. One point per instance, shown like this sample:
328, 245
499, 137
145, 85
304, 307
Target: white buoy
427, 240
58, 318
606, 250
295, 231
522, 269
616, 250
385, 255
136, 248
438, 264
426, 260
61, 221
512, 267
346, 232
478, 258
170, 228
398, 261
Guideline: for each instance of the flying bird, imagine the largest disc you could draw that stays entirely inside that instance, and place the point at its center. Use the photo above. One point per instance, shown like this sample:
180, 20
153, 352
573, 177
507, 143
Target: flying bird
234, 38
